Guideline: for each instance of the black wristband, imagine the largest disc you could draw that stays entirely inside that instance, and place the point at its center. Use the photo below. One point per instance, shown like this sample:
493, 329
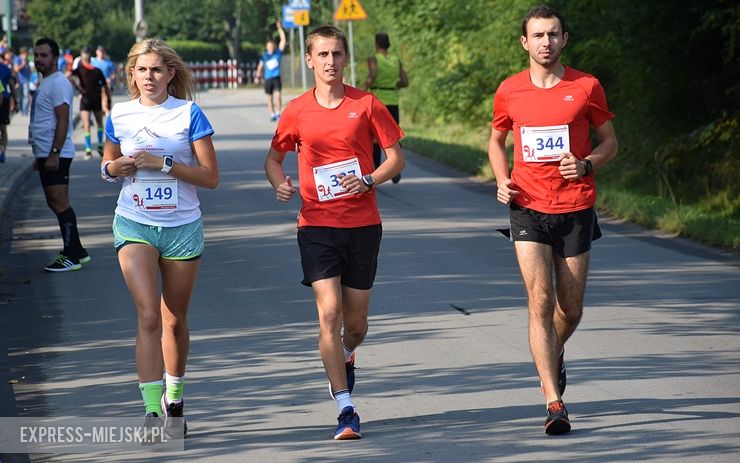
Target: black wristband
588, 167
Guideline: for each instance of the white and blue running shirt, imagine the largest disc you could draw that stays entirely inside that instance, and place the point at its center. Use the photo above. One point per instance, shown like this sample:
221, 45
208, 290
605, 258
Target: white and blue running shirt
165, 129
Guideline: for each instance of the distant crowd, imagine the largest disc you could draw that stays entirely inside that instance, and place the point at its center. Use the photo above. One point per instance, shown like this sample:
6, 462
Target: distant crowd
20, 78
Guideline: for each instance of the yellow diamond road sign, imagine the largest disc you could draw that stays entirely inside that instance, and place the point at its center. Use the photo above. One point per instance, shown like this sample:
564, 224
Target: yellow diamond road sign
350, 10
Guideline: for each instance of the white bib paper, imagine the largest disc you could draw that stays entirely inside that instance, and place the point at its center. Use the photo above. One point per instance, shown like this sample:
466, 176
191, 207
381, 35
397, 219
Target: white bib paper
328, 178
544, 144
272, 63
154, 193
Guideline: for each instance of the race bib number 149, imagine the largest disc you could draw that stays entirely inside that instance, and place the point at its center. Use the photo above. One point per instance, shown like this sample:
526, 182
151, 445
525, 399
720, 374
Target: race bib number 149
544, 144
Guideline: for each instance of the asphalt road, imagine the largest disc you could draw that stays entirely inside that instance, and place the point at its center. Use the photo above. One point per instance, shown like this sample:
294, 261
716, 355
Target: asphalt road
445, 373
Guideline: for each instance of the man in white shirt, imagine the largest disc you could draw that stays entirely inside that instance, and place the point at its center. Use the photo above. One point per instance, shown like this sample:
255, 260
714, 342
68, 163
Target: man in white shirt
50, 136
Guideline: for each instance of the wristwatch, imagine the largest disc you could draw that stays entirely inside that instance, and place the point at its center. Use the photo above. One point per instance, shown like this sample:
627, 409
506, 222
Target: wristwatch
369, 181
587, 167
167, 164
54, 150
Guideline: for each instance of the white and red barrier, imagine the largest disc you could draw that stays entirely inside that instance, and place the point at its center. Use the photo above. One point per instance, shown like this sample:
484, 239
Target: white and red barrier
222, 74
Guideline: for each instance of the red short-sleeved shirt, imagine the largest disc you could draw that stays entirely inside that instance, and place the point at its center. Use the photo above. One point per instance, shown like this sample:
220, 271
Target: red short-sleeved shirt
324, 136
577, 101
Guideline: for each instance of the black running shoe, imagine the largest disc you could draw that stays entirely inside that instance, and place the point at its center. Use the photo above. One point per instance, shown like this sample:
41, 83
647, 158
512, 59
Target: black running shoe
63, 263
84, 257
100, 150
557, 421
174, 424
396, 178
562, 377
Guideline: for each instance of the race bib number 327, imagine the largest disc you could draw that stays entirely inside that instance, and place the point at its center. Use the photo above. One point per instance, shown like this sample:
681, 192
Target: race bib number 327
328, 178
544, 144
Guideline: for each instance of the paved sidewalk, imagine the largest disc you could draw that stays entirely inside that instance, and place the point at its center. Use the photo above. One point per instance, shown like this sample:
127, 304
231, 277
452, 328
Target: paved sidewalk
18, 161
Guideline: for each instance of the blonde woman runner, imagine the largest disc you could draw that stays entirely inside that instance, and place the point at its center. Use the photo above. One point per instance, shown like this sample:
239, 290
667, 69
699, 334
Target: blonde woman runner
159, 145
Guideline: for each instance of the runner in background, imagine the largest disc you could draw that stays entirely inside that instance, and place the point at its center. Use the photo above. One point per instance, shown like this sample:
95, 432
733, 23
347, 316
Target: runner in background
385, 77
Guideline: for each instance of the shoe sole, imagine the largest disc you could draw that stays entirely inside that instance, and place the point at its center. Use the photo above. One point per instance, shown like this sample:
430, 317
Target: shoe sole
66, 269
348, 434
86, 259
556, 427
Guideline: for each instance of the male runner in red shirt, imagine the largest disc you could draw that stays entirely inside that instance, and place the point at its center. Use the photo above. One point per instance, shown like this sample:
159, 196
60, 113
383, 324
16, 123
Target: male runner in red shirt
332, 127
551, 190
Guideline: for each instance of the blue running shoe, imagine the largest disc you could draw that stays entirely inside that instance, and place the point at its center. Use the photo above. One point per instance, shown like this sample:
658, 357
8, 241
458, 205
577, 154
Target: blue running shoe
348, 426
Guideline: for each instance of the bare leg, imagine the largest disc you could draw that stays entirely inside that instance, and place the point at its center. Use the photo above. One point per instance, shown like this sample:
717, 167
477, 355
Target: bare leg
570, 278
140, 268
355, 307
329, 305
279, 101
536, 265
270, 104
178, 280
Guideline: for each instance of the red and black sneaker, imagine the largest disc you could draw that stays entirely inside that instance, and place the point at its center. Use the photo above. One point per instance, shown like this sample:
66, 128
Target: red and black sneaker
557, 421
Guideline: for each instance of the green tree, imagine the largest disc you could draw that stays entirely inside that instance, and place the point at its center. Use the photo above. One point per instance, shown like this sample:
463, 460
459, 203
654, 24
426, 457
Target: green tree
85, 23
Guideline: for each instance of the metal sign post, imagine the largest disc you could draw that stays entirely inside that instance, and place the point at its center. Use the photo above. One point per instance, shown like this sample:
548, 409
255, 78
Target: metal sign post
301, 17
303, 53
351, 56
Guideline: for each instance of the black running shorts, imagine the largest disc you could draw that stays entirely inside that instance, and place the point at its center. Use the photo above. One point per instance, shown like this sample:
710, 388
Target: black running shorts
351, 253
5, 111
569, 234
54, 177
273, 85
92, 102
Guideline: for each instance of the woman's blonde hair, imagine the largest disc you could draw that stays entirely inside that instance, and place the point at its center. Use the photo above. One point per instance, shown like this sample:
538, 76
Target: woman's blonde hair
182, 84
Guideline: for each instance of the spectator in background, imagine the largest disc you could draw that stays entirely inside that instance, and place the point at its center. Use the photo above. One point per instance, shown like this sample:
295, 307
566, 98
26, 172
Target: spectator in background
8, 82
23, 74
270, 63
50, 137
8, 59
69, 60
62, 62
33, 83
106, 66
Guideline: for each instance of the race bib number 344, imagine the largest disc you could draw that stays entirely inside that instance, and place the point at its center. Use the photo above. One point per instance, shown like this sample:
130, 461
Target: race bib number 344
544, 144
328, 178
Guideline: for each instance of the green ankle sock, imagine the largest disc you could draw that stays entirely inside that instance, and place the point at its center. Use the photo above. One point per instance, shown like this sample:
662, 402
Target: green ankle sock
175, 387
152, 395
